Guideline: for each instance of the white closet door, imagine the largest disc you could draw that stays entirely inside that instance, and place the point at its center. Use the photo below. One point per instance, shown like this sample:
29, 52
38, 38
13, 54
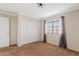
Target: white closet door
4, 31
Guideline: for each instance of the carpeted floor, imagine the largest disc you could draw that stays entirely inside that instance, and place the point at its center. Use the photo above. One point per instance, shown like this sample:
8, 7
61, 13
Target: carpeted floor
36, 49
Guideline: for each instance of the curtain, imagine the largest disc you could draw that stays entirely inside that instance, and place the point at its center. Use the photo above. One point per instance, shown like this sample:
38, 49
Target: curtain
63, 43
44, 32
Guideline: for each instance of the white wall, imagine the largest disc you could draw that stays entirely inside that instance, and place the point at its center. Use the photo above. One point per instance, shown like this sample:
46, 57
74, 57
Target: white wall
72, 30
28, 30
53, 39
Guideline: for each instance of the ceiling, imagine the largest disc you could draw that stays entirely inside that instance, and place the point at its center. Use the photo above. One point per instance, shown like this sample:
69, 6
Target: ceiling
31, 9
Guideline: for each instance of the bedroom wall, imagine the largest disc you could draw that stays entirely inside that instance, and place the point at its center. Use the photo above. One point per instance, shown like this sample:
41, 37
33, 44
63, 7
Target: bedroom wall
51, 38
28, 30
71, 28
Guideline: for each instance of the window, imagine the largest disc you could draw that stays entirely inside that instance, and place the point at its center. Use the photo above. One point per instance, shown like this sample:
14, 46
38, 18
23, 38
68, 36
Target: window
53, 27
48, 27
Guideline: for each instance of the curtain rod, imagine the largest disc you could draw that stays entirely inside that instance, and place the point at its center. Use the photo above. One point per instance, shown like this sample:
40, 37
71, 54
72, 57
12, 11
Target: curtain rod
53, 21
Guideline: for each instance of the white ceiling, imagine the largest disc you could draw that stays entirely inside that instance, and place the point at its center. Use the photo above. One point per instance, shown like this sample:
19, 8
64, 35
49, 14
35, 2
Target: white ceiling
31, 9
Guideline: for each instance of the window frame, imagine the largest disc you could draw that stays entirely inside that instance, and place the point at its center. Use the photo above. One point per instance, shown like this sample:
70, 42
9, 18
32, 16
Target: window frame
53, 30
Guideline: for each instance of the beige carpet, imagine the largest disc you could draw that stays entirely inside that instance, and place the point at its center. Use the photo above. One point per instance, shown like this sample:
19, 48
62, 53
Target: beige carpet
36, 49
